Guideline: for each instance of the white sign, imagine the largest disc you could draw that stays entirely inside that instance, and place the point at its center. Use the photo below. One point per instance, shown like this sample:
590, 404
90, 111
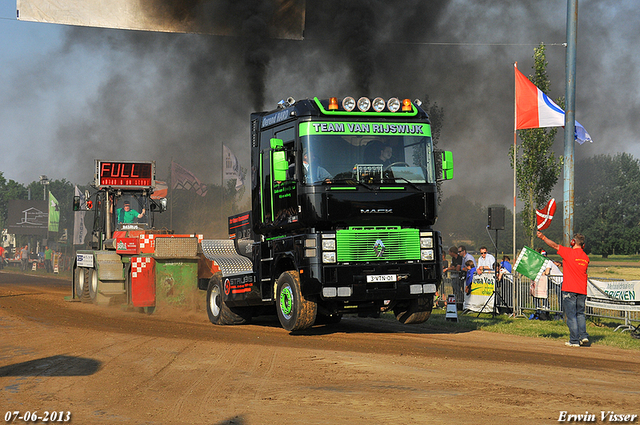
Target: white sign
84, 259
382, 278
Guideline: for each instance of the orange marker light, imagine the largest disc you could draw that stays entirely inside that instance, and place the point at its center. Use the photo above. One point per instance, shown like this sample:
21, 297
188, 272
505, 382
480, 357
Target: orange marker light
89, 205
333, 104
406, 105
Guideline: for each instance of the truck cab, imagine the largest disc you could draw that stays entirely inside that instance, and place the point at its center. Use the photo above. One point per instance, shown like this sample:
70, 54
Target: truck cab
344, 194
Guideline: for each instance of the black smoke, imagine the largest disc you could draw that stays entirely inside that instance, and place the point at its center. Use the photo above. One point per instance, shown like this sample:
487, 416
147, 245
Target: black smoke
131, 94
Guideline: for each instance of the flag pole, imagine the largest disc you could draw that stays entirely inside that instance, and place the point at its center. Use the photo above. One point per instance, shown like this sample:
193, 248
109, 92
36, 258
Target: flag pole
515, 126
170, 193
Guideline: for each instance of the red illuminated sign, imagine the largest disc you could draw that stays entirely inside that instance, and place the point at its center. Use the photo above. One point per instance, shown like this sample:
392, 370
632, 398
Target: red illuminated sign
125, 174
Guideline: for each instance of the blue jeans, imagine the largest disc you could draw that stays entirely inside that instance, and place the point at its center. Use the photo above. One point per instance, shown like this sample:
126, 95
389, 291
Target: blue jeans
573, 305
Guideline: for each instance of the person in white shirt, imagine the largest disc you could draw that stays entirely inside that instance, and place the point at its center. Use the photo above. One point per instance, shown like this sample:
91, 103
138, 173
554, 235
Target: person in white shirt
485, 261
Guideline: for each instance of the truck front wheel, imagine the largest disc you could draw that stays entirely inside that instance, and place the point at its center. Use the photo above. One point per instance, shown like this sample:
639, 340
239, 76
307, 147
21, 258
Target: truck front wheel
295, 312
414, 311
218, 311
81, 284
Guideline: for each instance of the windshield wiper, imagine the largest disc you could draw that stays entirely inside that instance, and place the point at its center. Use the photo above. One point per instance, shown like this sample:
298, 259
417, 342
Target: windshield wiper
411, 183
353, 182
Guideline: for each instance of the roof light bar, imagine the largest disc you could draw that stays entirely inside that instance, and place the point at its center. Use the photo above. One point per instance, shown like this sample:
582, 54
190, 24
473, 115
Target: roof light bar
364, 104
378, 104
349, 103
393, 104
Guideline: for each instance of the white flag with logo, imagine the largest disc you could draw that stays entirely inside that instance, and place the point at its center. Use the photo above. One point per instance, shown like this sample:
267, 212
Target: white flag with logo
79, 228
231, 167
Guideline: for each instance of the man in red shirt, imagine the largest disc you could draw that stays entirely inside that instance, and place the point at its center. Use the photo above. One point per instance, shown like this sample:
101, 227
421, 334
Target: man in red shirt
574, 287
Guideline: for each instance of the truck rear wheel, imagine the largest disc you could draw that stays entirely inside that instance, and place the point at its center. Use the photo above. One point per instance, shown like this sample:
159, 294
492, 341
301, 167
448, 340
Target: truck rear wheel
218, 311
414, 311
80, 284
294, 311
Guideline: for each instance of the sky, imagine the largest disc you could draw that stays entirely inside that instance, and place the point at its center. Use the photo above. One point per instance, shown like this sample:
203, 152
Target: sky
69, 95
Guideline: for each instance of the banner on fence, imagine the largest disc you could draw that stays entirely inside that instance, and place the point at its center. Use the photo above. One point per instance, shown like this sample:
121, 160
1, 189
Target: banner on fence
481, 298
614, 295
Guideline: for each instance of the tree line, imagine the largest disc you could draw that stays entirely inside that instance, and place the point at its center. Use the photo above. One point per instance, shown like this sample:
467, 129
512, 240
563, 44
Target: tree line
606, 211
188, 212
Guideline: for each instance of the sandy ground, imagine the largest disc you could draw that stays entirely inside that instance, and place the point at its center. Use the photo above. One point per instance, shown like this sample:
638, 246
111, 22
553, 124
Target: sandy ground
108, 365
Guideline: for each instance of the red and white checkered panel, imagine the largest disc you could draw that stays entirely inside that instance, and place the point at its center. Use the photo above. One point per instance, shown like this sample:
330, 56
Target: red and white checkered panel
143, 282
147, 244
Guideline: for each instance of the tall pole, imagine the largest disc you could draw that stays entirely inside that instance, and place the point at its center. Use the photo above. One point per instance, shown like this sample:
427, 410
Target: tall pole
515, 138
570, 118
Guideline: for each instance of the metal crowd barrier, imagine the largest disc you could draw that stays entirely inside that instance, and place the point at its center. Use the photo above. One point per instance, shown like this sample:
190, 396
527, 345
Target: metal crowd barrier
514, 290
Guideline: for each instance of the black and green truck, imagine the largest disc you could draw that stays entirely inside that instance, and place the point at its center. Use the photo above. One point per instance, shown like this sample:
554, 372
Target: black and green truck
344, 197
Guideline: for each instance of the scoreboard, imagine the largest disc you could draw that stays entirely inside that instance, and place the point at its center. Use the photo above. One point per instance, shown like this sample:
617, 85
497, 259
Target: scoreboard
126, 174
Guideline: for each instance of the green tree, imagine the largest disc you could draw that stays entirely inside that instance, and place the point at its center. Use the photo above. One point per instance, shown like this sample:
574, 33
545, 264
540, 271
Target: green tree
537, 168
436, 116
9, 190
63, 191
607, 203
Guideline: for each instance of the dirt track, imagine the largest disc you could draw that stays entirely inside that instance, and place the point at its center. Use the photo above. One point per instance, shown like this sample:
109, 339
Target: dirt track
106, 365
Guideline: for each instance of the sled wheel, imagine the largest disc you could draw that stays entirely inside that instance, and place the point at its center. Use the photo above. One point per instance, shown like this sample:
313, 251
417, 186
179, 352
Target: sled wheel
414, 311
92, 283
218, 311
294, 311
80, 284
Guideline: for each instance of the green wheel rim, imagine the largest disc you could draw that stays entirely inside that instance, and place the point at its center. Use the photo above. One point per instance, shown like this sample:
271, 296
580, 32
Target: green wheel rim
286, 302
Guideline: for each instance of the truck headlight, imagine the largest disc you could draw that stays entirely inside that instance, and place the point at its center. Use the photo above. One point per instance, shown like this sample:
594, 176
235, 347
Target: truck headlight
426, 240
426, 255
328, 244
329, 257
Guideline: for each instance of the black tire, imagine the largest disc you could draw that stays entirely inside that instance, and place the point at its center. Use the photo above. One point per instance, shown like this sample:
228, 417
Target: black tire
92, 284
80, 284
294, 311
414, 311
218, 311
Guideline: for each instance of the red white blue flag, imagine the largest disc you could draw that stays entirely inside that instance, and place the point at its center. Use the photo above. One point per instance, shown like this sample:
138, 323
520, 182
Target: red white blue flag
534, 109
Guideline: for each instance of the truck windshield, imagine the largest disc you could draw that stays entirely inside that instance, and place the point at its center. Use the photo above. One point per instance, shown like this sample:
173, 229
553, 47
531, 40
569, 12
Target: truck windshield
366, 158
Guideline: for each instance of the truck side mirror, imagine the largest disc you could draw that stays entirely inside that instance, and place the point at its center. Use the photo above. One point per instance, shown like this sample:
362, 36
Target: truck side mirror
279, 160
159, 205
447, 165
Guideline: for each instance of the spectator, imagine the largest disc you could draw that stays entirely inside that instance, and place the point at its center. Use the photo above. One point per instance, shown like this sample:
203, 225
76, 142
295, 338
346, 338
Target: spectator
24, 258
462, 250
574, 287
47, 259
456, 261
505, 266
470, 269
485, 261
1, 257
445, 262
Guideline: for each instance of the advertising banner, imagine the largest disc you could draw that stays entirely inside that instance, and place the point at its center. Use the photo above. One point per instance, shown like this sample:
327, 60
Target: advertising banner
614, 295
28, 217
481, 298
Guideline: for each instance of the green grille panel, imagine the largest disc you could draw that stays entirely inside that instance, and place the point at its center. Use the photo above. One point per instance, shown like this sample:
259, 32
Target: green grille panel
358, 244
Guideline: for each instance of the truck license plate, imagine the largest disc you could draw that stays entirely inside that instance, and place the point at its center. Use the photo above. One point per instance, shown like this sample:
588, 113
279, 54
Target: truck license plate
381, 278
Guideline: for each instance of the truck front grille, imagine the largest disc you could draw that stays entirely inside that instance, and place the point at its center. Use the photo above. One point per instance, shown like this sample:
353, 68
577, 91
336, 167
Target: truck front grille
377, 244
